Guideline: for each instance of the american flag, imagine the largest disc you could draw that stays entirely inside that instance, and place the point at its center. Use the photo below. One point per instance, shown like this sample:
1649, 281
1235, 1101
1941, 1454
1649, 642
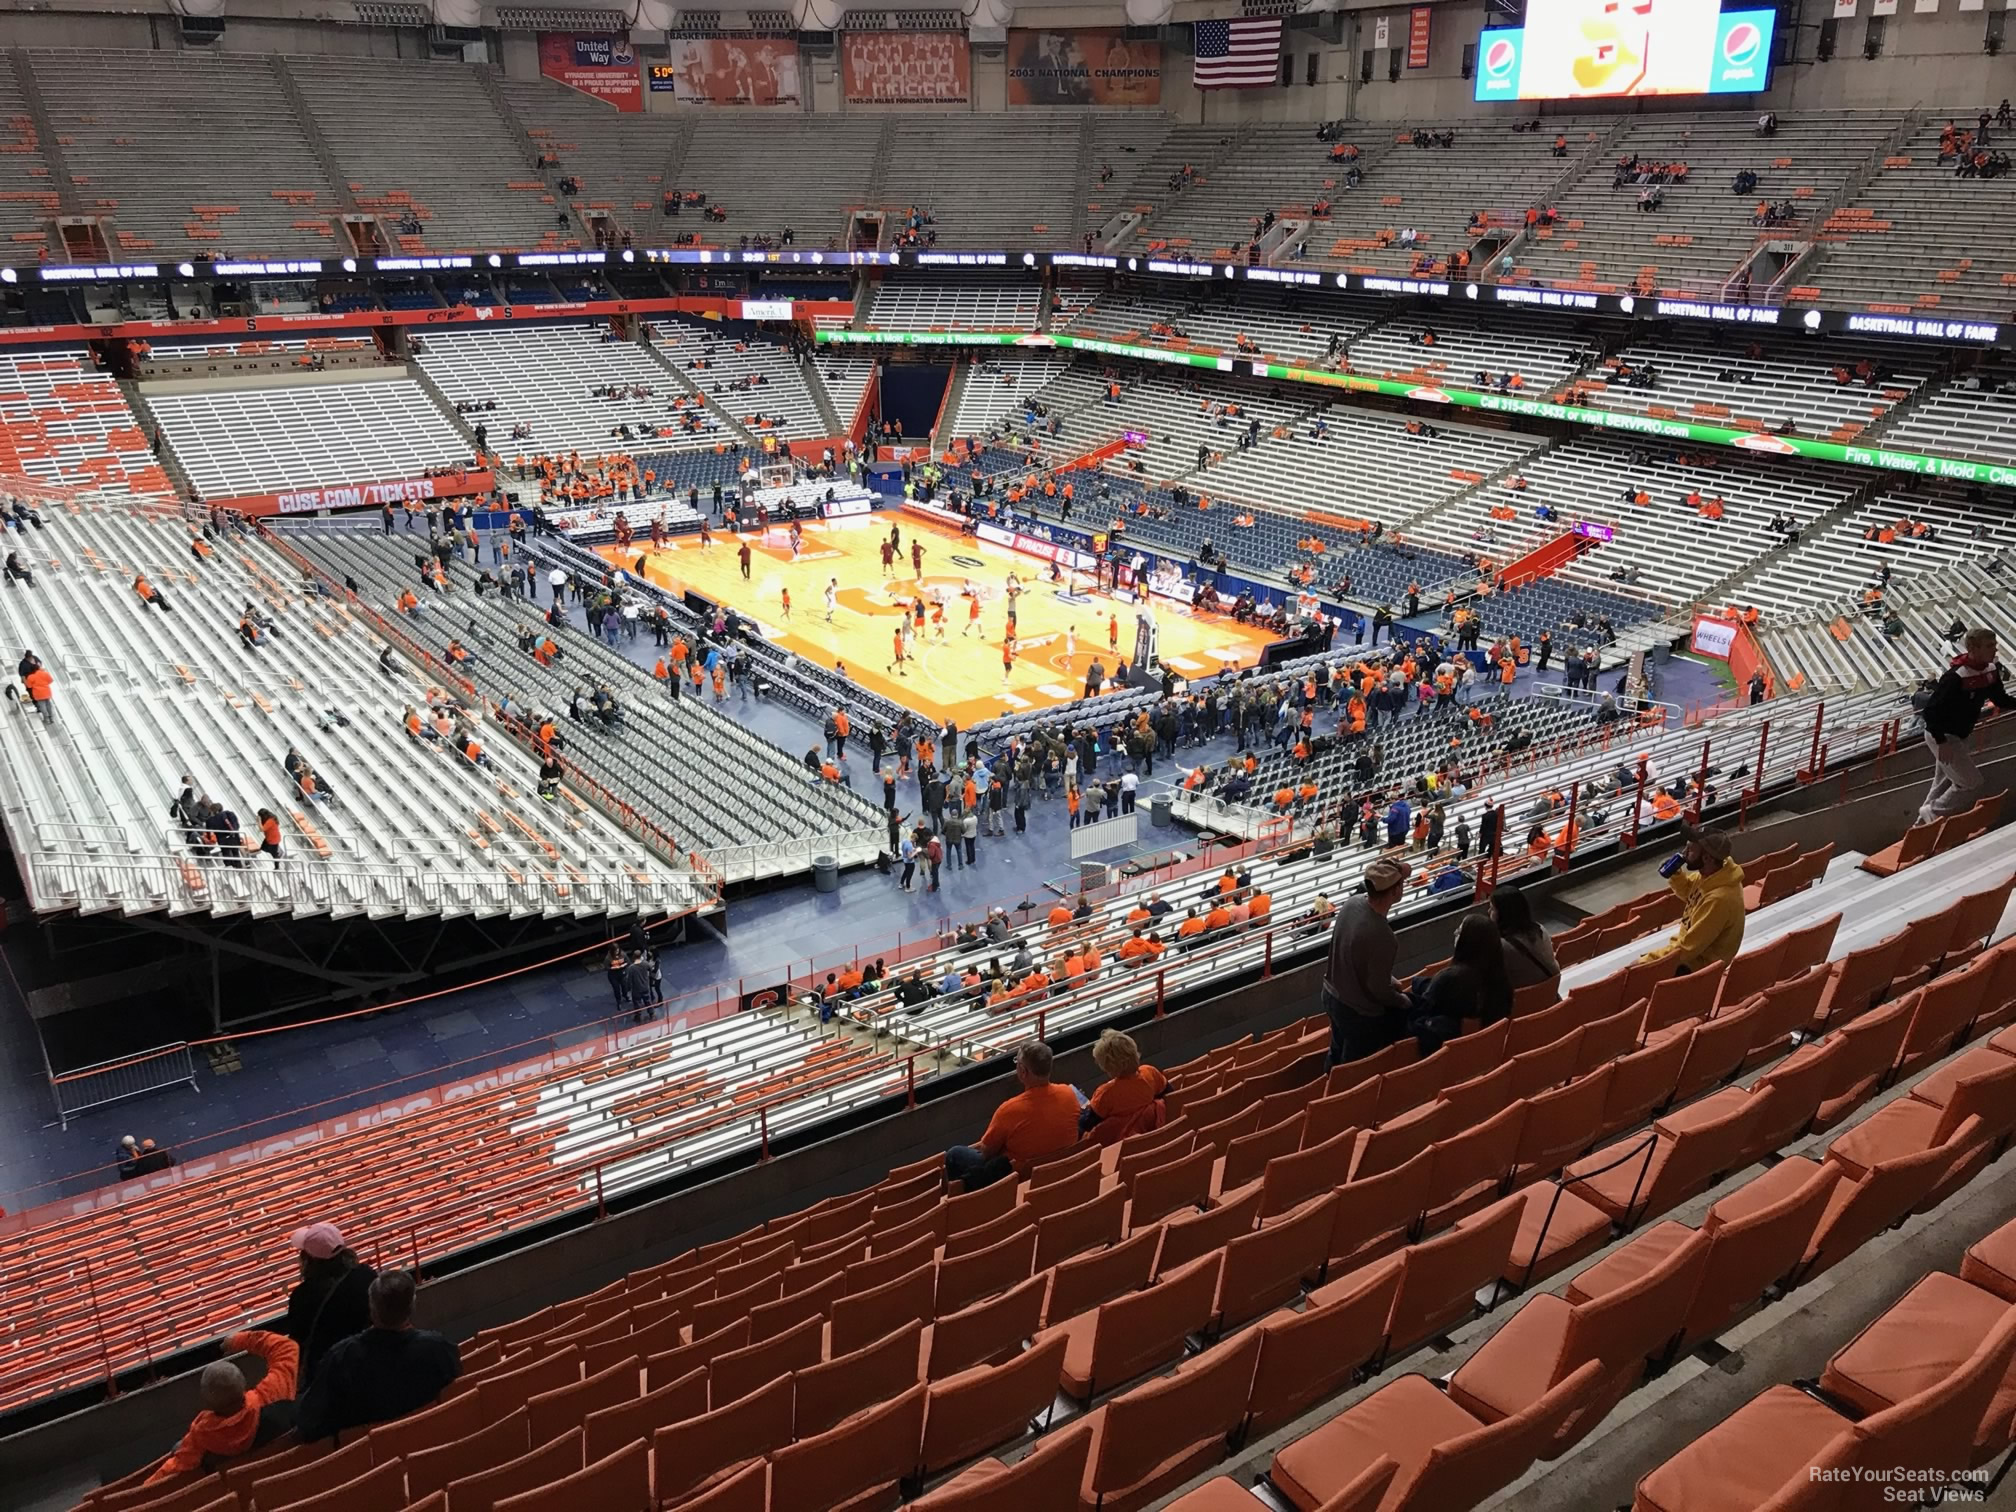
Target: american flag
1237, 54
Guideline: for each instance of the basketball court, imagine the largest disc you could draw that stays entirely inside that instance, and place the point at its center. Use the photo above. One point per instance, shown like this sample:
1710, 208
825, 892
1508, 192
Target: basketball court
1059, 633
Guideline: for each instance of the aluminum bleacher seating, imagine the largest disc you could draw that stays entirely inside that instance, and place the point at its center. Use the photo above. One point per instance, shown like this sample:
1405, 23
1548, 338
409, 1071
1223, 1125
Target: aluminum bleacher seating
545, 376
262, 440
1969, 417
845, 375
372, 110
999, 182
1753, 384
781, 405
970, 304
152, 162
1694, 242
63, 422
812, 171
618, 159
28, 200
760, 829
1920, 238
154, 694
998, 387
1667, 547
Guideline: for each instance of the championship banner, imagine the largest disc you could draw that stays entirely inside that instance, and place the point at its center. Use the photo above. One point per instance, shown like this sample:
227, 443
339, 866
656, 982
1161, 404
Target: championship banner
905, 68
602, 67
1088, 66
729, 71
1420, 21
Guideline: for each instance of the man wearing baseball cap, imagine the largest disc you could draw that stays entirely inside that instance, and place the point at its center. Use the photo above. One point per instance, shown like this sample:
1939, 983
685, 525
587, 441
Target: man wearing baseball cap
1365, 1005
1710, 885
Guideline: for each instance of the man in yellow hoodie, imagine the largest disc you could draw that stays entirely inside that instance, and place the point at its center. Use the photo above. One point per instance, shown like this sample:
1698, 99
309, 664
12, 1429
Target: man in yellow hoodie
233, 1419
1710, 886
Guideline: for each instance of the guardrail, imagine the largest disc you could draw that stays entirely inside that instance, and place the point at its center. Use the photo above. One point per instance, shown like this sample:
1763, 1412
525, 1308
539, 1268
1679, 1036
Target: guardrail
113, 1081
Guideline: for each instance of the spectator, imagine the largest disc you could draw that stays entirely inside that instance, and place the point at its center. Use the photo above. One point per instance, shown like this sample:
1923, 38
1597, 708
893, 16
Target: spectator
329, 1302
385, 1372
1469, 993
234, 1420
1710, 886
1361, 997
139, 1157
1529, 954
1973, 678
1129, 1101
1039, 1120
40, 686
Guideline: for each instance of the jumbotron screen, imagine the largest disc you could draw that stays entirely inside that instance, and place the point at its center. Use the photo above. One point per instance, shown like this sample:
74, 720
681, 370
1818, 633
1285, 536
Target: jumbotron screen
1622, 49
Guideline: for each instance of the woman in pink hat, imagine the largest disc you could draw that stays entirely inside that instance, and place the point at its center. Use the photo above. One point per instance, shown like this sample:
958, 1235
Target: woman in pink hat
330, 1301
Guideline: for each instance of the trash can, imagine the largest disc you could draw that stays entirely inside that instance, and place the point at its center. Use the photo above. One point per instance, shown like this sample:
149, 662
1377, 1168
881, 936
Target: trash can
825, 874
1158, 811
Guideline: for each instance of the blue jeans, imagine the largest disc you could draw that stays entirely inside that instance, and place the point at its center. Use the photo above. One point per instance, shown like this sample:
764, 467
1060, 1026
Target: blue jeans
975, 1167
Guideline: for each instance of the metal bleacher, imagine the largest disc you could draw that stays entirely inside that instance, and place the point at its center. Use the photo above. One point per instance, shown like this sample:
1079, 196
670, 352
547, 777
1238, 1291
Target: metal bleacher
146, 695
666, 754
256, 440
373, 112
150, 156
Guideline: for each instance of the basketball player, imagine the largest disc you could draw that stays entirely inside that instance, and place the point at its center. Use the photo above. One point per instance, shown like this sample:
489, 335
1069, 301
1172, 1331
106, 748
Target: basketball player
832, 597
1007, 660
917, 558
938, 621
744, 555
917, 613
1113, 634
973, 615
1070, 642
888, 560
797, 540
706, 537
787, 603
897, 666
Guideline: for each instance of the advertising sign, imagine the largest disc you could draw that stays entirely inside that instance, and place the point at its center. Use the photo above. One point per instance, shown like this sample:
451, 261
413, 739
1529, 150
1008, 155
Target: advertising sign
600, 66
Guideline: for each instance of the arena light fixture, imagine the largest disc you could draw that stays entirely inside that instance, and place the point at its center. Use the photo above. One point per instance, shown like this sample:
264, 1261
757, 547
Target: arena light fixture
1812, 320
349, 265
1627, 304
494, 260
186, 269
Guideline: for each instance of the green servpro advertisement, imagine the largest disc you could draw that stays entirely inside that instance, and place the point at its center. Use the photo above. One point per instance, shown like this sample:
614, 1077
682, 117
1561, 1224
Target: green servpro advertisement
1918, 464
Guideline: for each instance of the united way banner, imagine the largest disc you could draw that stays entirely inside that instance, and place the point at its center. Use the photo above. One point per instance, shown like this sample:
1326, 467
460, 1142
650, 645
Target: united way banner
1087, 66
730, 71
905, 68
601, 66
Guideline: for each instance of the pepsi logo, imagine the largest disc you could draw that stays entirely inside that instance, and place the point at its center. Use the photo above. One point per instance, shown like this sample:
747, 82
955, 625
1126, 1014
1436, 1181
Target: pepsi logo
1499, 58
1742, 44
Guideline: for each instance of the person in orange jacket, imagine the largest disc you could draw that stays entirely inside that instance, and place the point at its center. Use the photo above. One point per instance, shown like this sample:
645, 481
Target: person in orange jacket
234, 1419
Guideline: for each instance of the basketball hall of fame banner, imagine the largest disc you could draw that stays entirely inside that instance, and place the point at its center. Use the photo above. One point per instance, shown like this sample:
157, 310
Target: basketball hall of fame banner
729, 71
905, 68
1087, 66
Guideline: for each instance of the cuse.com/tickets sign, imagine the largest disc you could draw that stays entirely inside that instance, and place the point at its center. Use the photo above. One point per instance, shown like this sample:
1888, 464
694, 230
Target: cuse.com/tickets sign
1587, 49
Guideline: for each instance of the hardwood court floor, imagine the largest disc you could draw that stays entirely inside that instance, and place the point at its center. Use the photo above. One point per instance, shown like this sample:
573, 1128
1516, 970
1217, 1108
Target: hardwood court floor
1058, 637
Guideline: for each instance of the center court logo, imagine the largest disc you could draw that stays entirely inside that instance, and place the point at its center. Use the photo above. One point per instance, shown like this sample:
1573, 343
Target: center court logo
1742, 45
1499, 58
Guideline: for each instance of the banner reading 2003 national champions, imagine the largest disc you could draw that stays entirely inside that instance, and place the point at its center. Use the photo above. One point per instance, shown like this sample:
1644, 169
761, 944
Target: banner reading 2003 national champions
1088, 66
